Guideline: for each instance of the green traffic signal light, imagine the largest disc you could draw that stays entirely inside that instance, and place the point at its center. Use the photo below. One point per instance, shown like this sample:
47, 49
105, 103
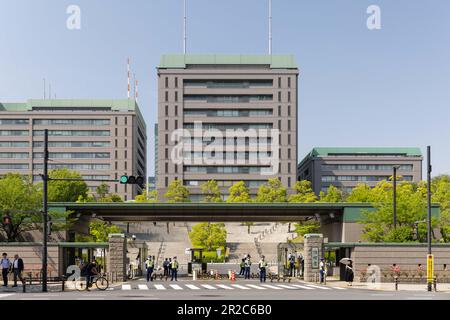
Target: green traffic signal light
124, 179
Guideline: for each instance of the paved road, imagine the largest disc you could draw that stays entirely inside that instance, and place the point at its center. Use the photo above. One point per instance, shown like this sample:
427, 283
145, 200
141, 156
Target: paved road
226, 290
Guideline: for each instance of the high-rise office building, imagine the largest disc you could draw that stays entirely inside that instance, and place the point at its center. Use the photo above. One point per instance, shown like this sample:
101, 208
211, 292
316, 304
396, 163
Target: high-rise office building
100, 139
238, 118
345, 168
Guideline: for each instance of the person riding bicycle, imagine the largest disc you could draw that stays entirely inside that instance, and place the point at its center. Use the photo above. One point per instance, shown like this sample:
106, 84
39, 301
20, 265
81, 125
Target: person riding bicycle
91, 271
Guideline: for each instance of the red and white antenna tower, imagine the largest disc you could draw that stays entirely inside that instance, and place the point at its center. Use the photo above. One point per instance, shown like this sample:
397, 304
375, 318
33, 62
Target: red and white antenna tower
128, 69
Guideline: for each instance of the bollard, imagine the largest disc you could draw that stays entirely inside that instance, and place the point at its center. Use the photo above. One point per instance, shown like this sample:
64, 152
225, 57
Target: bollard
396, 283
24, 287
194, 275
435, 284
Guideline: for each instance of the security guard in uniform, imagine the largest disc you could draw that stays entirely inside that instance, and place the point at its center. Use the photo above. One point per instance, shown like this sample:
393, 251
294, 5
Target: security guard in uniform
149, 265
262, 269
174, 267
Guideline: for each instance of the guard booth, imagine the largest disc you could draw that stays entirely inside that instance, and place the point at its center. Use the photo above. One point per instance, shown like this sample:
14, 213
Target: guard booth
294, 251
78, 253
196, 262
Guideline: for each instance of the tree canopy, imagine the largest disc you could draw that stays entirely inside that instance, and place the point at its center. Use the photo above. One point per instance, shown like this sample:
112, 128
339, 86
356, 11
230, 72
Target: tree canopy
66, 191
177, 192
211, 191
304, 193
271, 191
239, 192
208, 235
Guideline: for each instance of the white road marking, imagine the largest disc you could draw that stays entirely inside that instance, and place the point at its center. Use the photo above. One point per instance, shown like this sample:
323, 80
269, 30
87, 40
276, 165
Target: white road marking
287, 287
318, 287
302, 287
339, 288
192, 287
126, 287
142, 287
176, 287
419, 298
223, 286
207, 286
271, 287
256, 287
160, 287
240, 287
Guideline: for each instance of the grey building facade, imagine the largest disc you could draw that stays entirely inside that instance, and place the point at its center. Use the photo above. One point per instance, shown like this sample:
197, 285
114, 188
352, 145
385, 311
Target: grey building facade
345, 168
100, 139
220, 94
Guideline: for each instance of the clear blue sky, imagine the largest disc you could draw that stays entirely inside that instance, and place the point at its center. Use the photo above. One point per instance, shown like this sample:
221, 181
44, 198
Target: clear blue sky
388, 87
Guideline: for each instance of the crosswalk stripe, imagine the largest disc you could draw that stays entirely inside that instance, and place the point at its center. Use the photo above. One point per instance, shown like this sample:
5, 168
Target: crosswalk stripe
4, 295
302, 287
318, 287
271, 287
223, 286
207, 286
191, 286
142, 287
240, 287
126, 287
287, 287
339, 288
176, 287
256, 287
160, 287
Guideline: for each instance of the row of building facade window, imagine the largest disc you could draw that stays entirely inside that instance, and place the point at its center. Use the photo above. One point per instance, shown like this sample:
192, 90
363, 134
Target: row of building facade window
228, 98
225, 183
248, 155
227, 83
75, 122
56, 133
357, 167
360, 178
227, 112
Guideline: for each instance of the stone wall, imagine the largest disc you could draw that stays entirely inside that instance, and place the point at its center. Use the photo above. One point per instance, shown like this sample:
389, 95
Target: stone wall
313, 251
31, 253
117, 256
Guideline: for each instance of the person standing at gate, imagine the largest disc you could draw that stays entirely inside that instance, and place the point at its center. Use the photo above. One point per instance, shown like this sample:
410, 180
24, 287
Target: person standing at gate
6, 266
242, 266
291, 265
169, 268
248, 264
166, 267
349, 273
262, 269
322, 270
149, 264
17, 268
174, 269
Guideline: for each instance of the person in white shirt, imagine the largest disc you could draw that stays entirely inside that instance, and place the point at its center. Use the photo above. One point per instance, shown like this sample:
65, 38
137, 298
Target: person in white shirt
17, 268
6, 266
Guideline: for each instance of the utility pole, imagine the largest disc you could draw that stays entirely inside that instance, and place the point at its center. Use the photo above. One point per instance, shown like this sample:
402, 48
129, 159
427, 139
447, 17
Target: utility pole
429, 233
45, 214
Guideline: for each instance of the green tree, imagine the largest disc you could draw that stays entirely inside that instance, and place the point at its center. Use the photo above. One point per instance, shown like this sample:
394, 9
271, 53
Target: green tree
307, 226
66, 191
102, 195
21, 200
333, 194
208, 235
238, 193
440, 188
100, 230
177, 192
211, 191
102, 190
271, 191
149, 197
304, 193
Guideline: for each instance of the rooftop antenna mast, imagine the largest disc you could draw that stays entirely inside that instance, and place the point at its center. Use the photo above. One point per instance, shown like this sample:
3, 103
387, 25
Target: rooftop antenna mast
270, 27
44, 89
184, 28
128, 69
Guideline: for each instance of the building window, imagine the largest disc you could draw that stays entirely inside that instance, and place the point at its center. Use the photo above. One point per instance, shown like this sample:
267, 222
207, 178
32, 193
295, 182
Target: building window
279, 124
126, 154
176, 168
115, 154
279, 111
289, 153
116, 131
166, 139
115, 121
289, 139
289, 111
289, 125
289, 96
166, 96
176, 110
115, 165
126, 120
289, 182
176, 82
289, 167
115, 143
125, 165
166, 125
167, 153
166, 182
166, 108
166, 167
126, 143
279, 153
167, 82
126, 132
279, 96
279, 82
115, 188
289, 82
176, 124
176, 95
279, 167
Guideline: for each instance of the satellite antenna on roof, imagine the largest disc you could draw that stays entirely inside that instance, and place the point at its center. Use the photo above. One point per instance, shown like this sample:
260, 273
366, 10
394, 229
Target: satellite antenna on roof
184, 28
270, 27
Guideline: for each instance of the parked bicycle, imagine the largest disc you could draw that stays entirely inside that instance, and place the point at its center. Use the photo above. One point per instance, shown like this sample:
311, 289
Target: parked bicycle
100, 281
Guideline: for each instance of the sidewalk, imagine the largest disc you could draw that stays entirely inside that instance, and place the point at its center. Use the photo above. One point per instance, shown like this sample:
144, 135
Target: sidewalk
387, 286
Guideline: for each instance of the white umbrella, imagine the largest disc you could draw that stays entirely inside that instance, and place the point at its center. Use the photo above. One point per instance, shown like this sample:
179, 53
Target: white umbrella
345, 260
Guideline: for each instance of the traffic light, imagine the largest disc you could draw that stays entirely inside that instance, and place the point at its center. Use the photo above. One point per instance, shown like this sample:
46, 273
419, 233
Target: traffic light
139, 180
6, 220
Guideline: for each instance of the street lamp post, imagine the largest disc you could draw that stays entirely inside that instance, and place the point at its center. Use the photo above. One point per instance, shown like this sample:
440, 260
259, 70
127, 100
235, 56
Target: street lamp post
45, 214
394, 202
429, 233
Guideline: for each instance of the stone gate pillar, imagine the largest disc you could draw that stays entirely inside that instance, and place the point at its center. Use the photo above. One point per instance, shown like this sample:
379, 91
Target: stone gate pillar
313, 252
117, 255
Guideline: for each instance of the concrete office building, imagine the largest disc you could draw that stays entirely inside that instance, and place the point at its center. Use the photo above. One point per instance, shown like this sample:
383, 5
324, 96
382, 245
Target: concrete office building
223, 93
345, 168
100, 139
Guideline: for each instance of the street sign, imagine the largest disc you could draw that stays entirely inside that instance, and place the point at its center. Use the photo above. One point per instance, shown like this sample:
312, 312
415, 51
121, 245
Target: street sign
315, 258
430, 268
